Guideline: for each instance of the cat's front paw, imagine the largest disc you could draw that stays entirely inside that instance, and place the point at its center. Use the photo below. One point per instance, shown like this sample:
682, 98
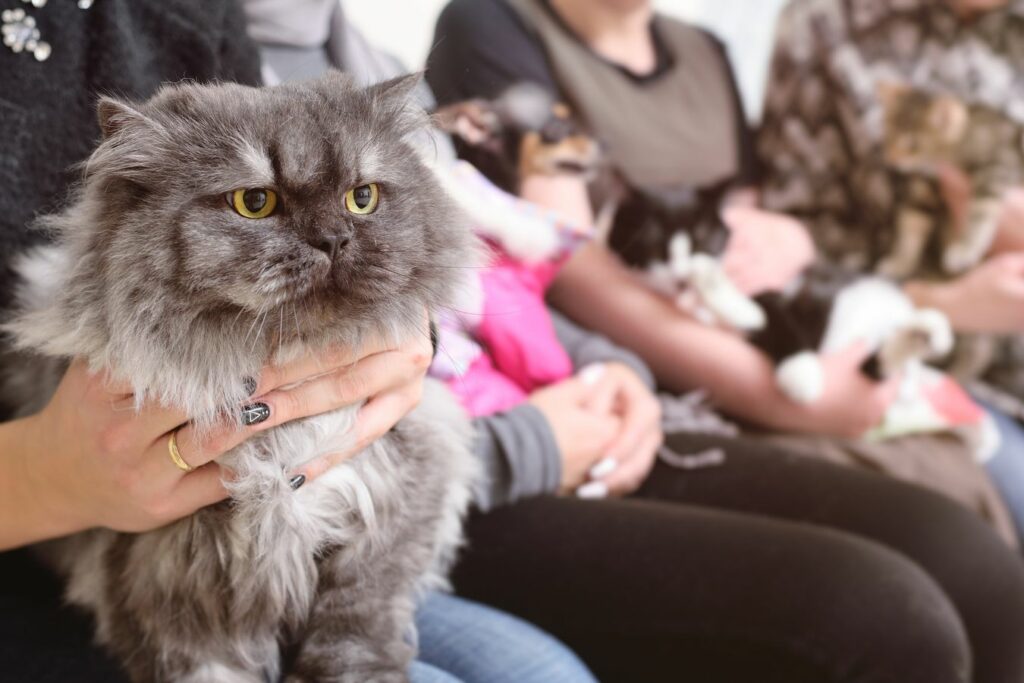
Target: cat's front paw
896, 268
801, 377
959, 258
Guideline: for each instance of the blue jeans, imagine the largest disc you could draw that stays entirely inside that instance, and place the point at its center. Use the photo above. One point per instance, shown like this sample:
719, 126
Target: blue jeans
463, 642
1006, 467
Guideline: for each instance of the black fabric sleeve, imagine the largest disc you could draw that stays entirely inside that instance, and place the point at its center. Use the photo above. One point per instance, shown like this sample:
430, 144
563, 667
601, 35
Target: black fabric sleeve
480, 48
239, 57
749, 172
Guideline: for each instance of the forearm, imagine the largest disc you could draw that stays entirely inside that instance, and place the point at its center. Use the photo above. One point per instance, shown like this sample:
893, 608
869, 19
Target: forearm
585, 348
30, 509
519, 457
598, 293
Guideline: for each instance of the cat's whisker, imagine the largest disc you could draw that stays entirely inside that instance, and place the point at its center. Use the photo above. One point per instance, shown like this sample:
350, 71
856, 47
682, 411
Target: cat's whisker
252, 325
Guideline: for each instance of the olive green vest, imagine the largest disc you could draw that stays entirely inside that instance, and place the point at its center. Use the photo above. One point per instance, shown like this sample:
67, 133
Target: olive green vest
675, 130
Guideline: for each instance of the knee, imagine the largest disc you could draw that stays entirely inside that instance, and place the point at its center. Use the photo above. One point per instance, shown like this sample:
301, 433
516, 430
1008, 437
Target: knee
886, 619
982, 576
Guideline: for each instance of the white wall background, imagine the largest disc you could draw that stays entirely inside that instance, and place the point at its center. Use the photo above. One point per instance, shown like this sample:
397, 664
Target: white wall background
406, 28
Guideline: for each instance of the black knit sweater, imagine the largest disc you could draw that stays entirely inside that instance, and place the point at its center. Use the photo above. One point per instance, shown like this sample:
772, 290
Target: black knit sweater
118, 47
47, 125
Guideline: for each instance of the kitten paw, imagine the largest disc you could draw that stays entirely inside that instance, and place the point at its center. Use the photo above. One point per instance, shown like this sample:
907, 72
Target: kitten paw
959, 258
895, 269
935, 326
801, 377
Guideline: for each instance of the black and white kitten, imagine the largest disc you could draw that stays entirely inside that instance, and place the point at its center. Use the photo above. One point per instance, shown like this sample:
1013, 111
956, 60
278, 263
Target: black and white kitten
677, 245
223, 228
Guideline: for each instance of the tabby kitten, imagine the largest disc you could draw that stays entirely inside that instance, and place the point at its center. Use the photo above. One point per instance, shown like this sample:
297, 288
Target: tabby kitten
924, 131
218, 229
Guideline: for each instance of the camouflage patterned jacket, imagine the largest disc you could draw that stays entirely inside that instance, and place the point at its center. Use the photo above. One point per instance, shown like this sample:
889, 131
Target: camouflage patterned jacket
822, 122
820, 139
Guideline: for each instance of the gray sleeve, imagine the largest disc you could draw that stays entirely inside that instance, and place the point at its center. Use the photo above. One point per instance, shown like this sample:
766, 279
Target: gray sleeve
519, 455
586, 347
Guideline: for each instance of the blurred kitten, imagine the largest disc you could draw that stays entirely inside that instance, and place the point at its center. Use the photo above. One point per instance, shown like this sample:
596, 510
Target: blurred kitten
923, 132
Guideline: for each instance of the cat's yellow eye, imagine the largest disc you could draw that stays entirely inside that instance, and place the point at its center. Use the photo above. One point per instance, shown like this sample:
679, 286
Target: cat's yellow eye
256, 202
363, 199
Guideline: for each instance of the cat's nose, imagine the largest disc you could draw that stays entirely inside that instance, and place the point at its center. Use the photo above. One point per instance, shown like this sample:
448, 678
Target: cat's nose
332, 244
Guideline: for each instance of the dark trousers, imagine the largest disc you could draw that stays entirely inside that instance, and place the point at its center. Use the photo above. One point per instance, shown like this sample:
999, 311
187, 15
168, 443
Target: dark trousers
769, 568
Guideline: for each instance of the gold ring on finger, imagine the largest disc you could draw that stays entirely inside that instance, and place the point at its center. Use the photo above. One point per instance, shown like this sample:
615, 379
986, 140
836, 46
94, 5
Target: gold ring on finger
172, 448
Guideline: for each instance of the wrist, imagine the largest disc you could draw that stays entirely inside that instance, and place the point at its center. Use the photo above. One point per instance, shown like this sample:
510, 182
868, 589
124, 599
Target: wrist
35, 506
938, 295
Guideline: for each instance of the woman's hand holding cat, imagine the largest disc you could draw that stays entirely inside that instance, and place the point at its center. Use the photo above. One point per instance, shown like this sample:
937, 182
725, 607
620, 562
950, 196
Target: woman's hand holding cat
851, 404
766, 250
390, 381
988, 299
957, 194
89, 459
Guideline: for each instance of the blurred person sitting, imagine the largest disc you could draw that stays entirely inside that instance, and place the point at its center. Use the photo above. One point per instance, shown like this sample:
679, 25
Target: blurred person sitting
821, 147
563, 552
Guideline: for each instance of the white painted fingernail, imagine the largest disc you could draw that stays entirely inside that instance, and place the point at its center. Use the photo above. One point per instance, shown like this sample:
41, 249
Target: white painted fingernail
593, 490
592, 373
603, 468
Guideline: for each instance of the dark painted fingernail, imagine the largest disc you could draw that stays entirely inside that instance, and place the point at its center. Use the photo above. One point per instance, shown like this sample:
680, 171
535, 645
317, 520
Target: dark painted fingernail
254, 414
250, 384
297, 481
435, 337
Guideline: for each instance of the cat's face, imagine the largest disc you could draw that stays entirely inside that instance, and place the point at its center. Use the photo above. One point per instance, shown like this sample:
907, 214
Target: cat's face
922, 129
648, 234
290, 208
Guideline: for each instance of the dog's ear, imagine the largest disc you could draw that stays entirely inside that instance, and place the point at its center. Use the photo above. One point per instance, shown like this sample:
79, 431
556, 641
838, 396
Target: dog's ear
474, 121
525, 106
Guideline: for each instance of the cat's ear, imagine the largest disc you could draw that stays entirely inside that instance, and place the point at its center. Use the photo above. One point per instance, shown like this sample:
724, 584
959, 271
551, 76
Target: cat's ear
889, 93
396, 97
948, 116
115, 116
397, 89
527, 106
131, 142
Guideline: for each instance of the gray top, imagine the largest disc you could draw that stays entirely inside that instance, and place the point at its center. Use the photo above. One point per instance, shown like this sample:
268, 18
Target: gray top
517, 447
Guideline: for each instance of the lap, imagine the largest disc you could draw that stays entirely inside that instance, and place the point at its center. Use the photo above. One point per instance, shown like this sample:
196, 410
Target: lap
478, 644
43, 641
769, 546
1006, 466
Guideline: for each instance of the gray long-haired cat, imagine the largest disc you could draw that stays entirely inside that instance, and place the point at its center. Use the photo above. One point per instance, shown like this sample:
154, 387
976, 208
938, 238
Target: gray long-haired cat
220, 228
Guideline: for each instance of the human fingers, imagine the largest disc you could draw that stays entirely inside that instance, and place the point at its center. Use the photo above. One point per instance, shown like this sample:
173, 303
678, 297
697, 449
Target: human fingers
418, 346
631, 473
603, 388
371, 376
198, 489
641, 417
375, 419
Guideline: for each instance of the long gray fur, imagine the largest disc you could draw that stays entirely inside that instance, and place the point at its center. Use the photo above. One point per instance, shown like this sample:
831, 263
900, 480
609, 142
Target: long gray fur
153, 278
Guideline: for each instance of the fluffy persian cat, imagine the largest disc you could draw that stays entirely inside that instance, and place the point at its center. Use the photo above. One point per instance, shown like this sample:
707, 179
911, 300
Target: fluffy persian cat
218, 229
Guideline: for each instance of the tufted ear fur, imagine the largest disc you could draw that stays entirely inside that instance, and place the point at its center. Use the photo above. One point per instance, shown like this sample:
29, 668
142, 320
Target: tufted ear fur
948, 118
399, 89
116, 116
130, 139
890, 93
526, 106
